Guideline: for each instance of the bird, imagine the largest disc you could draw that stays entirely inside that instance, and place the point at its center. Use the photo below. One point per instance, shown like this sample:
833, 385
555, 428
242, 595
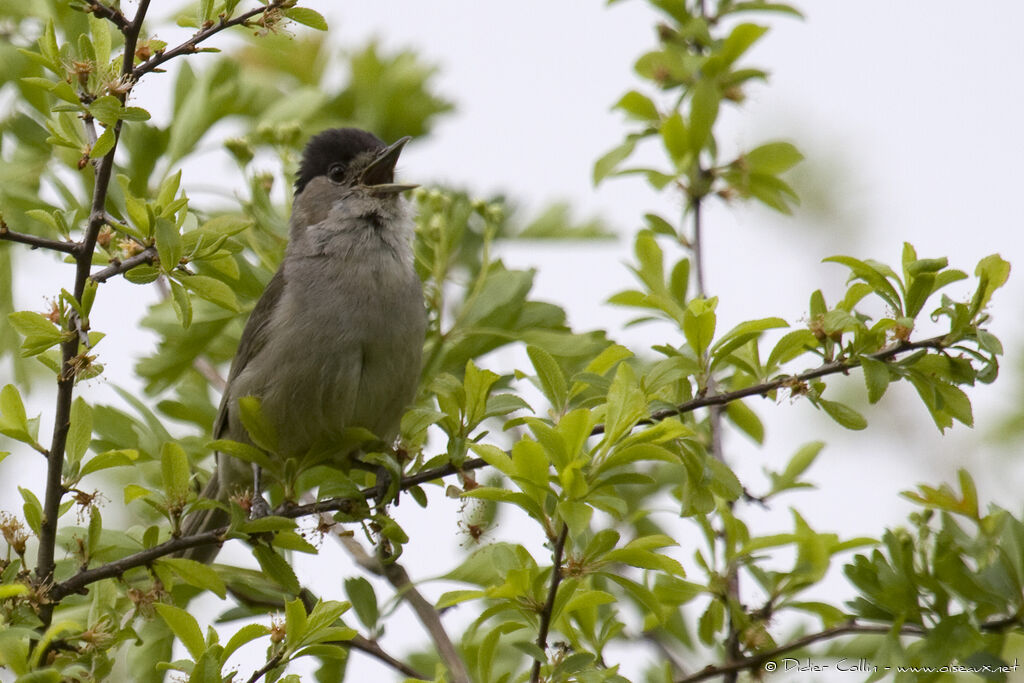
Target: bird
335, 341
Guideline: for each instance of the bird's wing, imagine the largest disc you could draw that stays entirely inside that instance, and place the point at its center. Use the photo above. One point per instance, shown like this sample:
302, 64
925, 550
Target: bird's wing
254, 336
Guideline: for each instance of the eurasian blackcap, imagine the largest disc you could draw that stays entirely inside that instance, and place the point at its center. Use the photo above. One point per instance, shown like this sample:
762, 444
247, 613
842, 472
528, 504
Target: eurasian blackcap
335, 341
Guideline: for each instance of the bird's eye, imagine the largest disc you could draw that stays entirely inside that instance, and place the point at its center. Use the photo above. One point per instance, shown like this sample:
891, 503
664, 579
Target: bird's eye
336, 173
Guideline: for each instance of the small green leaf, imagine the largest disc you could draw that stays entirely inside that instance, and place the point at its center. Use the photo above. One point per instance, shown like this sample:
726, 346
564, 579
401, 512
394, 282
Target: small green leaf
703, 113
773, 158
80, 432
676, 139
212, 290
175, 469
104, 143
257, 424
876, 377
550, 375
168, 246
307, 17
196, 574
637, 106
611, 159
108, 459
182, 304
843, 414
184, 626
275, 566
364, 601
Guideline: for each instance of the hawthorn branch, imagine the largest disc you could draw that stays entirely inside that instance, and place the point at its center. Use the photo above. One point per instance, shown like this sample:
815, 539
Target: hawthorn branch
117, 267
69, 349
36, 242
835, 367
549, 604
191, 45
112, 13
399, 579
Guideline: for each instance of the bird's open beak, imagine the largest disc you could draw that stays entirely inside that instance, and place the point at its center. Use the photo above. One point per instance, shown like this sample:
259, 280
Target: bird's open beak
376, 177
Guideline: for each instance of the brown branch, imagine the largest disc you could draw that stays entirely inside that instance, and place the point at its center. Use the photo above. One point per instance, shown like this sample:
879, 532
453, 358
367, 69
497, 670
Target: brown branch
116, 267
840, 366
79, 581
424, 609
192, 44
69, 350
549, 604
112, 13
36, 242
266, 668
750, 663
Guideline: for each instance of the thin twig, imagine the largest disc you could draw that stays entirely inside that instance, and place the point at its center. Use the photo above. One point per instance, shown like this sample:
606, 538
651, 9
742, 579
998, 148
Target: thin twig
840, 366
399, 579
549, 604
146, 256
36, 242
266, 668
69, 349
191, 45
112, 13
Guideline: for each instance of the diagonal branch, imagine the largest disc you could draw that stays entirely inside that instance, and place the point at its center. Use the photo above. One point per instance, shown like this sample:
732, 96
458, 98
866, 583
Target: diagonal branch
69, 350
36, 242
835, 367
407, 591
191, 45
146, 256
549, 604
112, 13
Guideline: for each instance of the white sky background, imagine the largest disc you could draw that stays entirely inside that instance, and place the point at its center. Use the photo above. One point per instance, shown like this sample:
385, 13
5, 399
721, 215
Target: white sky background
909, 114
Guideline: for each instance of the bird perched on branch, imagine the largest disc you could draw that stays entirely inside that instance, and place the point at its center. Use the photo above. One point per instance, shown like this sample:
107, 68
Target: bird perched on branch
335, 341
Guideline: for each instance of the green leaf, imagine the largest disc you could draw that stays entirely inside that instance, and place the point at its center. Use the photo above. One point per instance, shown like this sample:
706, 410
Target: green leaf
40, 334
611, 159
80, 431
364, 601
13, 419
798, 464
773, 158
182, 304
637, 106
244, 452
261, 430
184, 626
876, 377
740, 40
275, 566
550, 375
176, 472
676, 139
104, 143
699, 324
168, 245
244, 635
843, 414
212, 290
703, 112
307, 17
196, 574
108, 459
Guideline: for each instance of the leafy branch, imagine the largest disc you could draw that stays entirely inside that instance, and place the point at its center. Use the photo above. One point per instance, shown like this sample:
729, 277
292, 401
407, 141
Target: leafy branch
546, 612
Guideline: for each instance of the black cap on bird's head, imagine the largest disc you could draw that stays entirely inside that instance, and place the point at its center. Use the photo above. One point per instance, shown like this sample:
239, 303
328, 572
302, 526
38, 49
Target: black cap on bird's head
351, 156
